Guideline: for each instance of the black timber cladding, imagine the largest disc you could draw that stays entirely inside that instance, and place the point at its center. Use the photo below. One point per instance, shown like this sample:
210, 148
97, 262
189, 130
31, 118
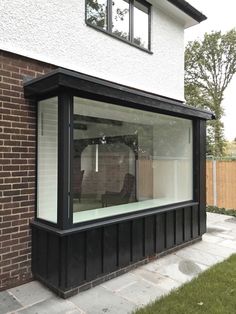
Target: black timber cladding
69, 261
189, 10
90, 87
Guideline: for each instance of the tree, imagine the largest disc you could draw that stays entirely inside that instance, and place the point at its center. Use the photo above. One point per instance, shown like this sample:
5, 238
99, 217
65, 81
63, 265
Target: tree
209, 67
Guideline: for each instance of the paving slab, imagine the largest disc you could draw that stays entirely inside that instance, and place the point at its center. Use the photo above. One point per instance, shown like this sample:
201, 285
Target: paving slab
100, 300
142, 292
8, 302
198, 256
31, 293
162, 262
53, 305
229, 244
211, 238
214, 249
120, 282
178, 272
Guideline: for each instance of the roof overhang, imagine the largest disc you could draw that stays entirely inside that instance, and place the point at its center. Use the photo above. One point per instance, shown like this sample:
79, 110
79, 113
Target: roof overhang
182, 10
90, 87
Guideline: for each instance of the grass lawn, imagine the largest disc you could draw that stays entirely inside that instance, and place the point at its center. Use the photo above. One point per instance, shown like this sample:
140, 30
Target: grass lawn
213, 292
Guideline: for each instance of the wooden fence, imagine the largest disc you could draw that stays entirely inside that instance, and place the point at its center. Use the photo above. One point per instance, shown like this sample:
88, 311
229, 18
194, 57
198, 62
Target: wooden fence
221, 183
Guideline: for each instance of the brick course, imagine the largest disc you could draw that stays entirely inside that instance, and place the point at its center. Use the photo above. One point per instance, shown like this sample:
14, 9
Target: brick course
17, 167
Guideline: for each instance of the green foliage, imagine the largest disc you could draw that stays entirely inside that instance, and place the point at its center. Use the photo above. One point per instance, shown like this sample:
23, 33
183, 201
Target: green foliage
212, 292
210, 65
96, 12
217, 210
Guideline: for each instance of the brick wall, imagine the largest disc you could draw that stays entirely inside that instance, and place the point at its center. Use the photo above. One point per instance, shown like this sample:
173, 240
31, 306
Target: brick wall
17, 167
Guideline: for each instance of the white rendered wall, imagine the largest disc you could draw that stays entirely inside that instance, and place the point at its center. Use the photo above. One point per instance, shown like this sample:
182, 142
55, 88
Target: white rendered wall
54, 31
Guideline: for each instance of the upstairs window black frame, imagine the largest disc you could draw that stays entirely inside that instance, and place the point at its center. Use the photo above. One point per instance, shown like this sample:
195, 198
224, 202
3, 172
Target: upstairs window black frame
106, 24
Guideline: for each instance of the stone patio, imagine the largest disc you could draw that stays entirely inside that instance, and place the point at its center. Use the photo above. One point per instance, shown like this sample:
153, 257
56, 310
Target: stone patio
136, 288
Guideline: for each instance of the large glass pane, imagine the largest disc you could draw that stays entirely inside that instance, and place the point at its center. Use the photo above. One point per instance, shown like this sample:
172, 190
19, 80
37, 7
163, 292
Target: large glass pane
96, 13
47, 159
141, 25
127, 160
120, 18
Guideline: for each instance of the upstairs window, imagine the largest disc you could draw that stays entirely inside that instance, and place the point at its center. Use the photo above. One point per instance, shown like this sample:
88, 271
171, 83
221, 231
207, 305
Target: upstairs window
128, 20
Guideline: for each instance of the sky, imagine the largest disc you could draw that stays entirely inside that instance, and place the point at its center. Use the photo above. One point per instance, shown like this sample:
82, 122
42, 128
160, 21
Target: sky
221, 16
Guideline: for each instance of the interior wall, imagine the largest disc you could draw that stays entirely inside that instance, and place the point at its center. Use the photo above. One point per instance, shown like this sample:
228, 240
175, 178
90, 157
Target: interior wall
172, 164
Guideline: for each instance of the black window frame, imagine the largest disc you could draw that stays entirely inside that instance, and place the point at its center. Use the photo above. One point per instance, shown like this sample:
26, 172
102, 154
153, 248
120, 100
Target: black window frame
109, 32
66, 85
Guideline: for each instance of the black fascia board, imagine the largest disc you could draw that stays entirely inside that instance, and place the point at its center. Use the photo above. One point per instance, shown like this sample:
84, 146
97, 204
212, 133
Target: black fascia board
90, 87
189, 10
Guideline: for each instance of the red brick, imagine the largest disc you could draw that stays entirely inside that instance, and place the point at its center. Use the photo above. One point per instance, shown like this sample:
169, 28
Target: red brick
9, 256
8, 229
11, 168
11, 68
20, 234
11, 205
17, 166
5, 73
20, 198
9, 243
11, 130
12, 180
5, 187
11, 192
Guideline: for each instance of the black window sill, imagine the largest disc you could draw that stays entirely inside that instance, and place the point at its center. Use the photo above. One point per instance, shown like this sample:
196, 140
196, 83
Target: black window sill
78, 227
119, 38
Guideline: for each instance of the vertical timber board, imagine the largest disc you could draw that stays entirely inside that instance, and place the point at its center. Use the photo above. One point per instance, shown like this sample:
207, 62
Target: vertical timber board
150, 235
53, 259
94, 252
76, 259
202, 180
179, 226
160, 232
187, 223
42, 253
124, 244
137, 240
170, 229
34, 264
195, 221
63, 262
110, 254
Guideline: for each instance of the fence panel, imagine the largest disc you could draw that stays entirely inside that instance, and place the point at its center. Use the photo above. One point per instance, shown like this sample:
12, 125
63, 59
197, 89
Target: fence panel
221, 183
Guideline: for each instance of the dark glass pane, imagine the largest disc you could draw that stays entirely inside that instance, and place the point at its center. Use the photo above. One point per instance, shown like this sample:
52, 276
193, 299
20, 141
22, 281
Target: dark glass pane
120, 18
141, 25
97, 13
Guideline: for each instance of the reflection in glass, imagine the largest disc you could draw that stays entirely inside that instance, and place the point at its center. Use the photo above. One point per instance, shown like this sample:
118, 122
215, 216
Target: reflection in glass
141, 25
127, 160
120, 18
47, 140
97, 13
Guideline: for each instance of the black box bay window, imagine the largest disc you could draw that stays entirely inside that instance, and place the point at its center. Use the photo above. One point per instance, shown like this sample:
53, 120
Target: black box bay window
120, 178
128, 20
